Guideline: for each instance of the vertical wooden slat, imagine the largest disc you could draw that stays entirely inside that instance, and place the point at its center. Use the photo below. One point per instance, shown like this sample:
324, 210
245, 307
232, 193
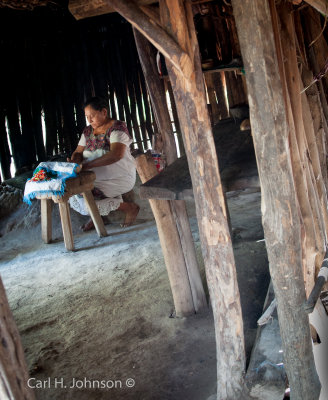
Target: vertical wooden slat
5, 158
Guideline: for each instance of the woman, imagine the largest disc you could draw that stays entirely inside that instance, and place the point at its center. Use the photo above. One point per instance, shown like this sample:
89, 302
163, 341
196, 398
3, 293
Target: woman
104, 149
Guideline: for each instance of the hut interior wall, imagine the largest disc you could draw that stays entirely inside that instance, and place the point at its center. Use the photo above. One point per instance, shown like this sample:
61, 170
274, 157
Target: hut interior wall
51, 64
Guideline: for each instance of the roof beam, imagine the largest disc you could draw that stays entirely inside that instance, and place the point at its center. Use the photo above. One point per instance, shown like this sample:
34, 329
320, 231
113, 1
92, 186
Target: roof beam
84, 8
155, 33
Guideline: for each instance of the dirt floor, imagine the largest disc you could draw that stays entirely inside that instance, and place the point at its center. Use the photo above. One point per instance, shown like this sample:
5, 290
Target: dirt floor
105, 312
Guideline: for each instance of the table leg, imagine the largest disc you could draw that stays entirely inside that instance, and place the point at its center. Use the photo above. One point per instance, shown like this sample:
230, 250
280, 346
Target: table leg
66, 225
94, 212
46, 220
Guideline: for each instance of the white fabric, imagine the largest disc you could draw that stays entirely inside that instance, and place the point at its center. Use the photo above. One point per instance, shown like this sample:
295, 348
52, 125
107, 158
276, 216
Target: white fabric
117, 178
105, 206
113, 180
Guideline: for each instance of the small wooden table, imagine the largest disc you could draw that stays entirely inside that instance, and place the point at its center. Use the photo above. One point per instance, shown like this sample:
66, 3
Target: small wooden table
82, 184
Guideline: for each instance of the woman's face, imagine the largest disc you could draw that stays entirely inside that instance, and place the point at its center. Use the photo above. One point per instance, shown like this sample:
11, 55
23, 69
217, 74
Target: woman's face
95, 118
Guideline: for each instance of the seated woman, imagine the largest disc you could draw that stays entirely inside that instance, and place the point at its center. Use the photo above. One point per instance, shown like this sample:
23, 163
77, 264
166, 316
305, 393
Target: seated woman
104, 149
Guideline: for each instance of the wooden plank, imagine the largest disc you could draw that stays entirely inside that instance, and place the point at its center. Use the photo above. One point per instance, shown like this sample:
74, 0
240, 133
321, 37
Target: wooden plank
46, 220
93, 210
237, 163
85, 8
13, 368
65, 218
170, 243
280, 215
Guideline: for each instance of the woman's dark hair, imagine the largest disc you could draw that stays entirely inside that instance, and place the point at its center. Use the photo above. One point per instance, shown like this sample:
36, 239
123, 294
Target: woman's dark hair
97, 103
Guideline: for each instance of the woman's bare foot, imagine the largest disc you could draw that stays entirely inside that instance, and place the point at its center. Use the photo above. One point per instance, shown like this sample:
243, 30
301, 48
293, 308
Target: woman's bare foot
88, 226
131, 211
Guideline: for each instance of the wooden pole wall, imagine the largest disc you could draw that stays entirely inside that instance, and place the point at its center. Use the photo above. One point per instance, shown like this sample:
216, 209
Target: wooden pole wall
51, 74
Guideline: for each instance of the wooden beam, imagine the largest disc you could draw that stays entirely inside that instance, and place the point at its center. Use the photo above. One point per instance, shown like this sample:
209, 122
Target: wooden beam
280, 215
84, 8
155, 86
319, 5
155, 34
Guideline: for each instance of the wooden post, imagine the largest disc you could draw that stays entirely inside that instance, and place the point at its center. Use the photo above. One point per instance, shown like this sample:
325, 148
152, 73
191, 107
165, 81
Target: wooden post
65, 218
155, 86
280, 210
170, 243
189, 93
46, 220
147, 55
13, 370
94, 213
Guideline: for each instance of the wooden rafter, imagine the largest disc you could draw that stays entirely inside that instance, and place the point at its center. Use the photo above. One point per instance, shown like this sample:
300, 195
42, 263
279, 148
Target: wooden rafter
158, 36
85, 8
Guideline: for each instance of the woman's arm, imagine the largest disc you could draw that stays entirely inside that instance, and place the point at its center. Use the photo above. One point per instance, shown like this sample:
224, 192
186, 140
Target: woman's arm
116, 153
77, 155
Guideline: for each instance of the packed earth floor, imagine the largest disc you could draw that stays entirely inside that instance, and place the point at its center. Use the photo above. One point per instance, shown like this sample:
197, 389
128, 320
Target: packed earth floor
104, 314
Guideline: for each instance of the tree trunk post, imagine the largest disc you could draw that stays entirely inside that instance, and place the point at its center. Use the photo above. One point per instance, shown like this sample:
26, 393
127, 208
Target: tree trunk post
280, 217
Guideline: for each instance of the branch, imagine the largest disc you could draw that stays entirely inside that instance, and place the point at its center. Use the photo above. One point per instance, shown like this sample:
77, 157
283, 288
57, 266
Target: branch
156, 34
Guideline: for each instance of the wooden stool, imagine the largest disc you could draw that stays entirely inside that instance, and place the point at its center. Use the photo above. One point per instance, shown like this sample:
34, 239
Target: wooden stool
82, 184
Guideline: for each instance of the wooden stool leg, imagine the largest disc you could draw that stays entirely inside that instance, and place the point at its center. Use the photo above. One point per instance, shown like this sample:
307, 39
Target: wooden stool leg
94, 212
46, 220
66, 225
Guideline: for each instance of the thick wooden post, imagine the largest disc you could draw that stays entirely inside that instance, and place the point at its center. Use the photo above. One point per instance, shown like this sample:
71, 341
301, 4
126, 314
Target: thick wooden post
13, 370
280, 209
178, 43
170, 243
147, 55
189, 93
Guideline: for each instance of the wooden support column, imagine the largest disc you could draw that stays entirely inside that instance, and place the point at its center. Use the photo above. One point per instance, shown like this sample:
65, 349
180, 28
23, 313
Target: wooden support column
13, 368
170, 243
280, 209
189, 93
147, 55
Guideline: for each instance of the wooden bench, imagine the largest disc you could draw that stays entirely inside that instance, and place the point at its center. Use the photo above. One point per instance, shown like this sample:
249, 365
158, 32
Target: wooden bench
82, 184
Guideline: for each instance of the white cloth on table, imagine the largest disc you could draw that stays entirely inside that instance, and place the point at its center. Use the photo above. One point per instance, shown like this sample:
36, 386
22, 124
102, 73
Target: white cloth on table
54, 185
